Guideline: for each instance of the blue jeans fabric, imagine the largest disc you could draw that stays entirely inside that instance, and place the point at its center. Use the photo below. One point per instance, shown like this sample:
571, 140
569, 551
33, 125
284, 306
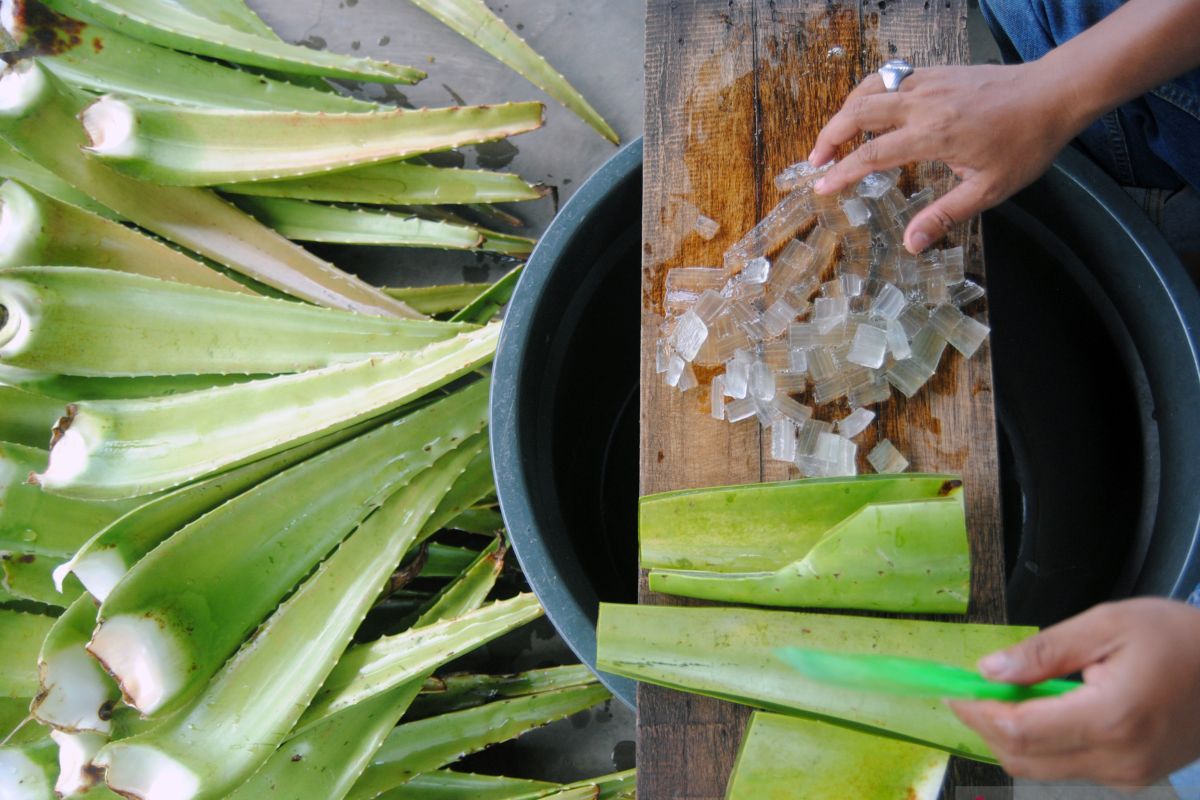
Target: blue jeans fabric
1153, 141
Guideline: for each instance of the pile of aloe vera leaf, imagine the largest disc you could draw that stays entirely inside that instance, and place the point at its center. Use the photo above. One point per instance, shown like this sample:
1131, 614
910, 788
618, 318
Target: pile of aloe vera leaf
247, 513
879, 543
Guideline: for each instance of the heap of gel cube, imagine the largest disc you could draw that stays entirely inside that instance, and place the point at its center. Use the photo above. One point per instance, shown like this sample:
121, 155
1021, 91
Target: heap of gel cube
846, 313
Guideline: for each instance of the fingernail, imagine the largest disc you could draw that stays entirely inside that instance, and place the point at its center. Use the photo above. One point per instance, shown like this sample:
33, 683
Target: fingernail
920, 240
997, 665
819, 186
810, 156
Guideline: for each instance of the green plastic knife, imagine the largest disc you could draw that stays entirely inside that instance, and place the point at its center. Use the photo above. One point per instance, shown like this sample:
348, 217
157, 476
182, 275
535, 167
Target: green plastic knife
910, 676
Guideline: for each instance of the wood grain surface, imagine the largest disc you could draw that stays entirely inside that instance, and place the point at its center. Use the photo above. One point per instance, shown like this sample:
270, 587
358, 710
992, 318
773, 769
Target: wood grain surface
735, 91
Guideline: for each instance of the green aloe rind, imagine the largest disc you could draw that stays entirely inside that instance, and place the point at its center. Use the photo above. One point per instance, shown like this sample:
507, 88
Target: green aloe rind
126, 448
187, 636
711, 651
21, 636
785, 757
174, 26
74, 690
213, 745
456, 692
437, 299
28, 417
474, 20
102, 323
193, 146
900, 556
417, 747
397, 183
41, 230
38, 118
776, 523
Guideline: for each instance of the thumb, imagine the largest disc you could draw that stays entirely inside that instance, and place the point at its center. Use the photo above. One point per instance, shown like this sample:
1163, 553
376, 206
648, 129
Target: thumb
935, 220
1059, 650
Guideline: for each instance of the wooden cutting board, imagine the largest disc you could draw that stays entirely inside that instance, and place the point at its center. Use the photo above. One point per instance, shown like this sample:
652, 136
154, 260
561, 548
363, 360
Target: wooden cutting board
735, 91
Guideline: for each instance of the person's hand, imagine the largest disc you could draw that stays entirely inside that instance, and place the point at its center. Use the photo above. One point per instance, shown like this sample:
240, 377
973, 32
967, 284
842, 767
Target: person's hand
1135, 719
997, 127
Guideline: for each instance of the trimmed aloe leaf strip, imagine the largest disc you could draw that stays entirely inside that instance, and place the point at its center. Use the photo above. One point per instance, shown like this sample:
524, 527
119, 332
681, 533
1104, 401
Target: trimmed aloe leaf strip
446, 784
170, 25
101, 60
314, 222
74, 688
477, 519
162, 645
785, 757
21, 636
492, 299
15, 166
27, 417
437, 299
69, 388
29, 576
38, 118
475, 21
397, 183
41, 230
778, 523
35, 522
710, 651
428, 744
101, 323
366, 670
105, 558
447, 561
475, 484
468, 591
28, 771
902, 556
192, 146
456, 692
123, 448
245, 712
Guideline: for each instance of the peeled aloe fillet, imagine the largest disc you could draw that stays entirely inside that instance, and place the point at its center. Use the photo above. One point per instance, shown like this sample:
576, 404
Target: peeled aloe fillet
437, 299
17, 167
246, 711
475, 21
898, 556
101, 60
27, 417
786, 757
456, 692
777, 523
21, 636
171, 25
398, 183
38, 118
162, 644
711, 651
37, 229
191, 146
417, 747
75, 693
101, 323
126, 448
27, 771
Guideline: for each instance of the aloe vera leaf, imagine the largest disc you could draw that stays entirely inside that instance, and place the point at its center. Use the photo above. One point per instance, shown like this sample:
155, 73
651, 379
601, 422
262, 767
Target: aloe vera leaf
492, 299
314, 222
27, 771
710, 651
76, 775
27, 417
456, 692
778, 523
245, 712
195, 146
397, 183
617, 785
901, 556
417, 747
69, 388
476, 483
475, 21
29, 576
368, 669
105, 558
171, 25
784, 757
233, 13
468, 592
477, 519
445, 784
183, 638
38, 118
446, 561
75, 693
20, 637
41, 230
437, 299
123, 448
101, 60
35, 522
507, 244
15, 166
14, 714
100, 323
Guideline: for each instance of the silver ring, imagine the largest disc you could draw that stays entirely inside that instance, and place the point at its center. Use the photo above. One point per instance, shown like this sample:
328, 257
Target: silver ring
893, 72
